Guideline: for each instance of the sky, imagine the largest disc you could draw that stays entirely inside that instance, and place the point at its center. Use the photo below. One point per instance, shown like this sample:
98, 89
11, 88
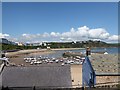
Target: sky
60, 21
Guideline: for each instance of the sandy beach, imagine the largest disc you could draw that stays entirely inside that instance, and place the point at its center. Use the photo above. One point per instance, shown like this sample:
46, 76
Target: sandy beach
25, 52
99, 61
67, 49
102, 63
38, 50
17, 57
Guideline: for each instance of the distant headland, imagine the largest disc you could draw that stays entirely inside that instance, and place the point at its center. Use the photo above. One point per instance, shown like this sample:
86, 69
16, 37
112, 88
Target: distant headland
8, 45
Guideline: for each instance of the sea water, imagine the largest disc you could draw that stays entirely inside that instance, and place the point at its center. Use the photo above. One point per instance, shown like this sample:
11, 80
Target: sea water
59, 53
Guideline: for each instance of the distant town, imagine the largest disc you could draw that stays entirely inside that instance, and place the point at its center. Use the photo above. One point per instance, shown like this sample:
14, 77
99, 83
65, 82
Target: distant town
10, 45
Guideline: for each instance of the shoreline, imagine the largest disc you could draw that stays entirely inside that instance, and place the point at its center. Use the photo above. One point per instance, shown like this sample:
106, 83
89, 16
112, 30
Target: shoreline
31, 51
23, 52
39, 51
67, 49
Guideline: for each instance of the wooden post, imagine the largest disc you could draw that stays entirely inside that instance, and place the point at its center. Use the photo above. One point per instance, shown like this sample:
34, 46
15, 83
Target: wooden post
88, 51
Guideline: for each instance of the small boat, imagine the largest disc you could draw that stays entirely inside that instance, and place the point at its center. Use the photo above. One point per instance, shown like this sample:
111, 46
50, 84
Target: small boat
56, 61
31, 63
62, 64
105, 52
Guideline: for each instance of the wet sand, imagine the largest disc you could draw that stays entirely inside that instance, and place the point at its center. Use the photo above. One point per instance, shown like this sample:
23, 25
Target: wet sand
67, 49
99, 61
21, 52
18, 57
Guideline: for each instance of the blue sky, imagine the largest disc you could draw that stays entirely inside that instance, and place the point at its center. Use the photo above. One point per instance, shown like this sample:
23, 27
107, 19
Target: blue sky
47, 21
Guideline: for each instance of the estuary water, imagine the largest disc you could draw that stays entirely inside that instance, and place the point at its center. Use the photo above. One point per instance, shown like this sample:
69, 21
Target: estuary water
59, 53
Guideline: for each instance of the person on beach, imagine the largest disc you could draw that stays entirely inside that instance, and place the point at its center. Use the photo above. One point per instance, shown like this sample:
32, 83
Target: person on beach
88, 51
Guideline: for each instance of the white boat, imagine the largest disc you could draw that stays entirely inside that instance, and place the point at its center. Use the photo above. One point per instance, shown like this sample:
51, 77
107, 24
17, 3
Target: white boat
56, 61
62, 64
105, 52
31, 63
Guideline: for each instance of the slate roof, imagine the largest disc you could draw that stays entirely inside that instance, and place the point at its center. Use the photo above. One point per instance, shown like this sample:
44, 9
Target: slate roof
105, 63
55, 76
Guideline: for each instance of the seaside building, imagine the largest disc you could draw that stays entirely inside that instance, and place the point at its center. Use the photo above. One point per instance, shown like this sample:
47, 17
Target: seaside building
5, 41
57, 76
106, 67
28, 44
44, 44
34, 44
48, 48
19, 43
41, 77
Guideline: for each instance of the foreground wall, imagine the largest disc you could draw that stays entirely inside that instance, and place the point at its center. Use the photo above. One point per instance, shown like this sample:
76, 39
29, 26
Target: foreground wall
76, 76
107, 79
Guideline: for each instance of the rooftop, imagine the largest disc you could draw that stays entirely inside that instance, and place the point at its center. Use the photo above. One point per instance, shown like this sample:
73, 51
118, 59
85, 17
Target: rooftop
105, 63
42, 76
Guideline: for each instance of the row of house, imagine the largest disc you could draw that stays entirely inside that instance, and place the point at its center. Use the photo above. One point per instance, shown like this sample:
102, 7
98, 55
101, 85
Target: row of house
5, 41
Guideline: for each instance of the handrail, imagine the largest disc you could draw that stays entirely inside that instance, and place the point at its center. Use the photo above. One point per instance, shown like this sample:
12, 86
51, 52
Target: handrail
1, 68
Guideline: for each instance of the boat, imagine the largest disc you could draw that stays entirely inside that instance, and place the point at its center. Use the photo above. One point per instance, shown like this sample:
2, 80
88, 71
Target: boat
105, 52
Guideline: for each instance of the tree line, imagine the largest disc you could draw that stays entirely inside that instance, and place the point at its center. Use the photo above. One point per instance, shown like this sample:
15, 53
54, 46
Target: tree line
82, 44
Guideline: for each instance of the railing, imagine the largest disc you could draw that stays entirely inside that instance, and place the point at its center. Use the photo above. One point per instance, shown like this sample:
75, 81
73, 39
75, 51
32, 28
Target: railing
107, 74
1, 67
39, 88
53, 88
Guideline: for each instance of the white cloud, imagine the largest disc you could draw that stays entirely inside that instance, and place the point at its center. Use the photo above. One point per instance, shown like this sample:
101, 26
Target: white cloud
84, 33
79, 34
114, 38
45, 35
98, 33
24, 34
62, 38
4, 35
53, 34
30, 36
